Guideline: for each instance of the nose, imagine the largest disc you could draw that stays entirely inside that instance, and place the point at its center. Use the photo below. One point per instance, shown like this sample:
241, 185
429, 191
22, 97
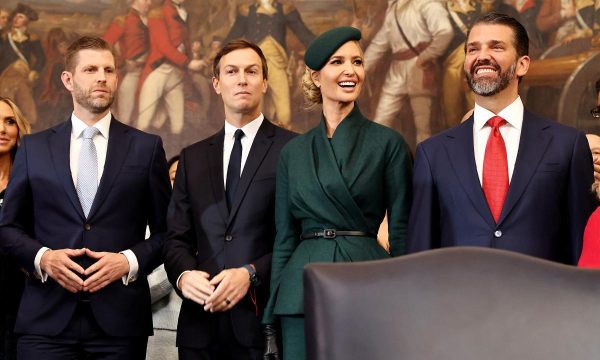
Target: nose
101, 76
2, 127
242, 78
348, 68
484, 54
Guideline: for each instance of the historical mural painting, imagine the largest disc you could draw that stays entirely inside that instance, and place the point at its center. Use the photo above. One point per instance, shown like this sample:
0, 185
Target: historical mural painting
413, 58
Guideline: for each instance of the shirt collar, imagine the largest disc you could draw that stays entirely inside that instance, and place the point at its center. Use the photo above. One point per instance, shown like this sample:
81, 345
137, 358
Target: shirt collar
250, 129
103, 125
513, 114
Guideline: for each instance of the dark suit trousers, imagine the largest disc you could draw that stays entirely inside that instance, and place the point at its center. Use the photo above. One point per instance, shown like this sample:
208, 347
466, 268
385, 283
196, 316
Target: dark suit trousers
82, 339
224, 345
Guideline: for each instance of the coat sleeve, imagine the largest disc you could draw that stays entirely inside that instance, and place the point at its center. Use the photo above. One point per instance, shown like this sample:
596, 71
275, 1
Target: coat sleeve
287, 238
424, 222
17, 240
398, 188
148, 253
180, 247
160, 38
580, 200
298, 27
238, 30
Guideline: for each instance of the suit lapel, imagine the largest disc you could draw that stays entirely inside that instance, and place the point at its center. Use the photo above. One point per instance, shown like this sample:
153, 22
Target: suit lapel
260, 147
215, 163
532, 146
60, 145
462, 157
118, 146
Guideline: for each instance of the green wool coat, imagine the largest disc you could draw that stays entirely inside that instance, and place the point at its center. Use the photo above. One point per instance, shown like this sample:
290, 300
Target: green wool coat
344, 183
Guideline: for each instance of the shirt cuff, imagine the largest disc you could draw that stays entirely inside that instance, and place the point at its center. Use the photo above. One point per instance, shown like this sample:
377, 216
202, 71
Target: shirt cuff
36, 263
179, 278
133, 267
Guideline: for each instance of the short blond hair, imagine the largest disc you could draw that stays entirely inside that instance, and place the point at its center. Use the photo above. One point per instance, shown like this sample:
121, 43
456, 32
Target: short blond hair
22, 123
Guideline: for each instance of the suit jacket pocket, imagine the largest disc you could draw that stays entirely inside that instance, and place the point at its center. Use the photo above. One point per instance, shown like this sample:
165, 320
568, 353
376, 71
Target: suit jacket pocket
550, 167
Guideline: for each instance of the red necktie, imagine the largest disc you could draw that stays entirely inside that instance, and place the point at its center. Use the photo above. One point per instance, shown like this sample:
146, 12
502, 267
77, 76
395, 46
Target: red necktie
495, 168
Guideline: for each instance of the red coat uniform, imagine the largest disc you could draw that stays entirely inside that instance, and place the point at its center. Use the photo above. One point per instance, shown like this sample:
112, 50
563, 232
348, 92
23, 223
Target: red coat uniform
167, 31
130, 33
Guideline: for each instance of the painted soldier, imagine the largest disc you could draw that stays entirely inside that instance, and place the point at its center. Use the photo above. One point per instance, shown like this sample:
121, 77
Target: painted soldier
457, 99
162, 79
417, 32
566, 20
22, 58
265, 23
130, 33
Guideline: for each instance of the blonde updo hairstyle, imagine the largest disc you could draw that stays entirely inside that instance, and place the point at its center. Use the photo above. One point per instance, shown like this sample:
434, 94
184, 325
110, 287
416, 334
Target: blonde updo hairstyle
310, 90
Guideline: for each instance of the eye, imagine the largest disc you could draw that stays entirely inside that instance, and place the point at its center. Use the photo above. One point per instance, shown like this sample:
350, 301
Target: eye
498, 47
358, 62
335, 62
110, 71
88, 70
10, 121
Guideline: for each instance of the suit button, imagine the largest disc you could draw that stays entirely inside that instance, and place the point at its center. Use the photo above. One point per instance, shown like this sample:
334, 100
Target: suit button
87, 226
228, 238
497, 233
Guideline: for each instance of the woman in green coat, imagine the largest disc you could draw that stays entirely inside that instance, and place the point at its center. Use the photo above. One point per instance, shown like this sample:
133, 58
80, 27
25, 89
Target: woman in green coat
334, 186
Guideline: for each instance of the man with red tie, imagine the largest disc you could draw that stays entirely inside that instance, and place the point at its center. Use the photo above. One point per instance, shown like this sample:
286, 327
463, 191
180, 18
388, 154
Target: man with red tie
130, 33
505, 178
161, 84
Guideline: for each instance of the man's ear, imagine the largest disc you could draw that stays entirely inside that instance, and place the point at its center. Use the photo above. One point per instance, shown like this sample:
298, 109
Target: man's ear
67, 79
523, 65
216, 85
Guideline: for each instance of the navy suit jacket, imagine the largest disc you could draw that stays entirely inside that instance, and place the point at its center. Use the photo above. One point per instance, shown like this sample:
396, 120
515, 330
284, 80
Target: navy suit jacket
205, 235
547, 206
42, 209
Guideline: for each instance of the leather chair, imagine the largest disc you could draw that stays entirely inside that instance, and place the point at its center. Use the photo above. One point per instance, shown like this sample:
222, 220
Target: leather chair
452, 304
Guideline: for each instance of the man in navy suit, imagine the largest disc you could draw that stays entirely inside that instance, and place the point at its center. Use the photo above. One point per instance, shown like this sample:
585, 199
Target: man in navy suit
222, 217
76, 208
505, 178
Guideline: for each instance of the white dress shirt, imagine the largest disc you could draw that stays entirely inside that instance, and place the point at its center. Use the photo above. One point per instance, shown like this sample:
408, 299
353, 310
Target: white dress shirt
250, 130
511, 133
101, 144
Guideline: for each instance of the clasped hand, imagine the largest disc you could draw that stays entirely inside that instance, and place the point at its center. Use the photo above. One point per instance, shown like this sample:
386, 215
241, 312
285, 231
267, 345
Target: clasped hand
60, 267
232, 284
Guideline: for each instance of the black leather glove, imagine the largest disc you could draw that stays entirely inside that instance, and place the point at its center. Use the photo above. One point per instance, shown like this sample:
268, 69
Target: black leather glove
271, 350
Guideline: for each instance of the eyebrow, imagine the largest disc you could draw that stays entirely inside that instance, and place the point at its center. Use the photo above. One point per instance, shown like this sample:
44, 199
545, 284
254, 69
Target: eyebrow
492, 42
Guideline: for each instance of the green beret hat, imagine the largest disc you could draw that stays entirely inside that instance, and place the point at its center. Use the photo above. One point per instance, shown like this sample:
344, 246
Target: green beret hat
326, 44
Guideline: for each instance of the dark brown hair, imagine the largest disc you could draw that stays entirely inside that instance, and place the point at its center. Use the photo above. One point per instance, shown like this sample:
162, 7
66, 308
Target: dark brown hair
239, 44
85, 43
520, 37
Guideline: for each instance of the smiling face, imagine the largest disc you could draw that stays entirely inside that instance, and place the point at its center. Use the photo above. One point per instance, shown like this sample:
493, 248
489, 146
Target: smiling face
342, 76
241, 83
94, 81
9, 131
491, 62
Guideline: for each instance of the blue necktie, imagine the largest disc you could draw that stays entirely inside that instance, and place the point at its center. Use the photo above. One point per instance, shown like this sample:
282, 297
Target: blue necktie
234, 168
87, 174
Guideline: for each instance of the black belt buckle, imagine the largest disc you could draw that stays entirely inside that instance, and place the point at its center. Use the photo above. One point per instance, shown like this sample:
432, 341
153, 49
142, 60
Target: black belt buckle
329, 234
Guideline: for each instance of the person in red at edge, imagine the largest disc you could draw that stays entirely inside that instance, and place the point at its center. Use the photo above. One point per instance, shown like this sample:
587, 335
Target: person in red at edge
590, 254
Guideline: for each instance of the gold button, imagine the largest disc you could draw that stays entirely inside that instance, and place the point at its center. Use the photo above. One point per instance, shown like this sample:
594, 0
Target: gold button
132, 278
87, 226
228, 238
